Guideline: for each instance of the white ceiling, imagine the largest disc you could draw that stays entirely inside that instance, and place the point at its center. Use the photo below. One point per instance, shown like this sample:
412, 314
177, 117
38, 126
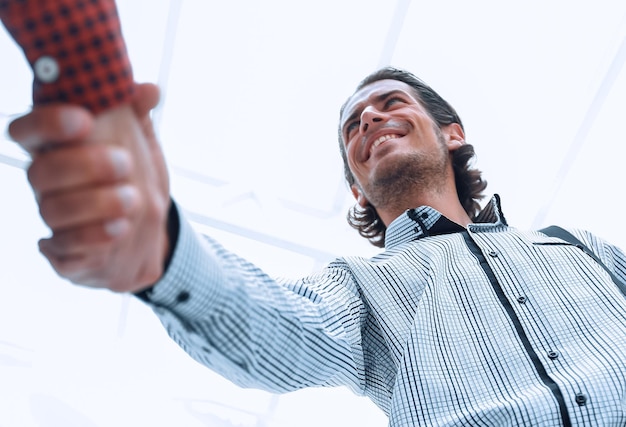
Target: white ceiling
251, 92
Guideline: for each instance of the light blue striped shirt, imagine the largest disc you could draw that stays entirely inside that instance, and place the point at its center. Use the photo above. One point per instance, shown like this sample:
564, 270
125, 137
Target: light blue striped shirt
485, 326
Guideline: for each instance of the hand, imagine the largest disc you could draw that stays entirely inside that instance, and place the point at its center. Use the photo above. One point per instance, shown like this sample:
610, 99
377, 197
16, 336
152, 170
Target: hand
102, 188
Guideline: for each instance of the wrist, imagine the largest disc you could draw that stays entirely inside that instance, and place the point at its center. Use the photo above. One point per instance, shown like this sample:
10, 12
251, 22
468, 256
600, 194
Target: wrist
171, 232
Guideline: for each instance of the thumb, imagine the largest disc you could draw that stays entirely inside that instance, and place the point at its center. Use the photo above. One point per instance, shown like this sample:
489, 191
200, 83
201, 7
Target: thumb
146, 97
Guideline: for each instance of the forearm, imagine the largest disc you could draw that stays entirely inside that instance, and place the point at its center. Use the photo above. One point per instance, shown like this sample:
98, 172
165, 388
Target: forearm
256, 331
75, 48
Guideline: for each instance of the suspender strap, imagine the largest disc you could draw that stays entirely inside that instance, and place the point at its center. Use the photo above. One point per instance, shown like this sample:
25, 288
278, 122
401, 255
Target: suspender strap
561, 233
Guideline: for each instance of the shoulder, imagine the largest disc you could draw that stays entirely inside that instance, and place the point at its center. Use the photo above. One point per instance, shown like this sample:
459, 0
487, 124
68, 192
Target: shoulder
602, 247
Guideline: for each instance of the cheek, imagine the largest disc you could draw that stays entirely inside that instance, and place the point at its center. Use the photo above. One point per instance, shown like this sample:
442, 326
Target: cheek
353, 166
350, 155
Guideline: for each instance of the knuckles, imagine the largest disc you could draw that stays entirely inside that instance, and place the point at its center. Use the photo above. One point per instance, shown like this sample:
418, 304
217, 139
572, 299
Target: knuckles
87, 255
75, 209
69, 167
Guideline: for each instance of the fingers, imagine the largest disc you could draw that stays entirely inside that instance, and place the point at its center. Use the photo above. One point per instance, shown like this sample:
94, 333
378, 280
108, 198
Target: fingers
71, 243
68, 247
74, 265
50, 125
102, 188
84, 256
78, 166
77, 208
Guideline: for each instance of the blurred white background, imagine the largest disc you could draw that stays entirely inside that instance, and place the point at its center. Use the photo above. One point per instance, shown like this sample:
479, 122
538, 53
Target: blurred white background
251, 93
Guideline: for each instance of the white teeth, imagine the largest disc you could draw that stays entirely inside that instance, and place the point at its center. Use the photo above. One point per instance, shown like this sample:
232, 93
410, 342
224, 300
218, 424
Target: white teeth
382, 139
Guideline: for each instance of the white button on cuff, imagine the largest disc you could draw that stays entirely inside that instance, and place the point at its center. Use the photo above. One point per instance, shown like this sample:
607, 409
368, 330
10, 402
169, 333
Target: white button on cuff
46, 69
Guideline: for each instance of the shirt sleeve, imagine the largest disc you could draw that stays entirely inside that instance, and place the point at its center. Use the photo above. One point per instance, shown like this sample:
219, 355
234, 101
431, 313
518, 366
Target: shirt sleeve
75, 49
277, 335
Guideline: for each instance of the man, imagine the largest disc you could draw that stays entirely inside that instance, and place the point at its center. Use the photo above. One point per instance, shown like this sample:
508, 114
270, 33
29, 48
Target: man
461, 320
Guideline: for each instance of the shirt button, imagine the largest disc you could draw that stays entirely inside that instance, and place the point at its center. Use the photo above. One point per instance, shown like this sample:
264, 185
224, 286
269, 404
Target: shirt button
46, 69
182, 296
493, 254
553, 355
522, 299
581, 399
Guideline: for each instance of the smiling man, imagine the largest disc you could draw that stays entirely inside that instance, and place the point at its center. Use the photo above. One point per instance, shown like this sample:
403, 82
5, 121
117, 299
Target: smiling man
404, 146
461, 320
399, 157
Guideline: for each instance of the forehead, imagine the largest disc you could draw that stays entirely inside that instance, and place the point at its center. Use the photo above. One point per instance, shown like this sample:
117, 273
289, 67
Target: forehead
366, 95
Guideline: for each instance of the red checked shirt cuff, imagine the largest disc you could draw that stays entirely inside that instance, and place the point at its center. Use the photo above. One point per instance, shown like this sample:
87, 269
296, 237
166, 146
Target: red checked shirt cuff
75, 48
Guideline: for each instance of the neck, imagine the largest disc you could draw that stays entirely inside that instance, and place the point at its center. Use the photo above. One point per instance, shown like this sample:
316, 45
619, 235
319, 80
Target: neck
447, 203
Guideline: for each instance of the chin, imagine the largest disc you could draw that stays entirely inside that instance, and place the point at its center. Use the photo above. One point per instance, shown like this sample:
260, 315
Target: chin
399, 175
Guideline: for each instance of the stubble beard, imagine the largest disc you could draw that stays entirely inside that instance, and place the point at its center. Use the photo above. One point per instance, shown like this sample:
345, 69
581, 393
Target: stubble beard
409, 174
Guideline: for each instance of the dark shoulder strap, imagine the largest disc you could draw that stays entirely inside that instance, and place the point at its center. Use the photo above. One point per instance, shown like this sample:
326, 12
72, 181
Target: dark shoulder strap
561, 233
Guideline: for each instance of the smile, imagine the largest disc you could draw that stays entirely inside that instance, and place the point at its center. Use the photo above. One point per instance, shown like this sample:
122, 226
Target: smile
382, 139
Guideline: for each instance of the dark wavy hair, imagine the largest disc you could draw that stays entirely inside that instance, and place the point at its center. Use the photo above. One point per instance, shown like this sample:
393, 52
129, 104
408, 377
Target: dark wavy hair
469, 182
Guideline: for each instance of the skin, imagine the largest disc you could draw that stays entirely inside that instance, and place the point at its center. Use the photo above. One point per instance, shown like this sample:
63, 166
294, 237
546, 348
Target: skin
102, 188
413, 167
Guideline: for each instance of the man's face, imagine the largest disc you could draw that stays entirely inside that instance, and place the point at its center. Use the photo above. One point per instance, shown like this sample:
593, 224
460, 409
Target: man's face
391, 142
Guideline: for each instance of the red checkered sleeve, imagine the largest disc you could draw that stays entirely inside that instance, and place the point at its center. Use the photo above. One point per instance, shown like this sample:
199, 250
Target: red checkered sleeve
75, 49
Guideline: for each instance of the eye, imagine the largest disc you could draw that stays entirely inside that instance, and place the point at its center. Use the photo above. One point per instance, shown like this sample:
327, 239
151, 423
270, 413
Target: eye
351, 127
393, 100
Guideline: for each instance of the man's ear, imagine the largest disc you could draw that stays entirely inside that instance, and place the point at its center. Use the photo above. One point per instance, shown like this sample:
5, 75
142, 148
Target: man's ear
358, 195
455, 137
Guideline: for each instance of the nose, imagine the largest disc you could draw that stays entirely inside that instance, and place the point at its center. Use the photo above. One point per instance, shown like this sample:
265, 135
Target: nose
369, 116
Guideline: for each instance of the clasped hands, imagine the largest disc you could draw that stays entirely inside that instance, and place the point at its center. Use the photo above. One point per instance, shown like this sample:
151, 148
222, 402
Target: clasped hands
102, 187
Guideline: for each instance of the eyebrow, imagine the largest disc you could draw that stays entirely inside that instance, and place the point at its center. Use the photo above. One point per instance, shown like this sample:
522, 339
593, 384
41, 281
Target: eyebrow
377, 99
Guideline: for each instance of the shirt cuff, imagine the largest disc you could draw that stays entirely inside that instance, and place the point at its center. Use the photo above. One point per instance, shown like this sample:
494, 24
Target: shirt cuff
173, 230
75, 49
190, 284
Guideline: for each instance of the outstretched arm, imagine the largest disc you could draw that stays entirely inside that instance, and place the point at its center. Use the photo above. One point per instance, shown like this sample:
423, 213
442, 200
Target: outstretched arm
102, 187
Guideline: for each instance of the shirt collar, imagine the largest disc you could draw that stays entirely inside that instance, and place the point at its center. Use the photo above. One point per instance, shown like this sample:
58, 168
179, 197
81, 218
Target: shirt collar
425, 221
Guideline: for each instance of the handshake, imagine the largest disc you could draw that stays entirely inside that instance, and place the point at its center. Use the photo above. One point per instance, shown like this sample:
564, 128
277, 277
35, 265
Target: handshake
102, 187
